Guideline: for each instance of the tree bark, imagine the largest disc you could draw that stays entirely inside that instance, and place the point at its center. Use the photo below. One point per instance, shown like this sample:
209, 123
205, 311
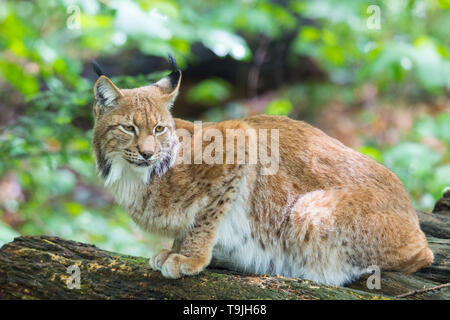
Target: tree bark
435, 225
443, 205
36, 267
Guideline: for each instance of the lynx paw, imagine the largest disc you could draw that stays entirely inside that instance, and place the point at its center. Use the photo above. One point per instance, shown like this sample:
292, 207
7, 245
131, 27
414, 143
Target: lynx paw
157, 261
178, 265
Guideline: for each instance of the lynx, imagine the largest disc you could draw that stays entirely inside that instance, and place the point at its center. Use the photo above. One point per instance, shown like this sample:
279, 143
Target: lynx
327, 213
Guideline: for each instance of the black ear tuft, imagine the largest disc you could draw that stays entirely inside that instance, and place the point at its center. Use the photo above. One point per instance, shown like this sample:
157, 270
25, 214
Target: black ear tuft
174, 76
97, 68
173, 63
170, 83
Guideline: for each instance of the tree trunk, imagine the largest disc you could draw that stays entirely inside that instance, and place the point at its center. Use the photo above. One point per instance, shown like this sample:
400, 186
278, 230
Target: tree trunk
36, 267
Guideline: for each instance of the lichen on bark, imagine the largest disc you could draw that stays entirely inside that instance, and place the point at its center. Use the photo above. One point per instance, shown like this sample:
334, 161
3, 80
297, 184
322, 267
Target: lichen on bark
35, 267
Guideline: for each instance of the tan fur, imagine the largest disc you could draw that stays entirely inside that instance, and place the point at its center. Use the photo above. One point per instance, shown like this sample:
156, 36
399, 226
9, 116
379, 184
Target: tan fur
327, 214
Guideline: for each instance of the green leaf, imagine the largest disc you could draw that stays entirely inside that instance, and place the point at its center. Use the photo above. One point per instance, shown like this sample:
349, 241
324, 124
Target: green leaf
441, 179
210, 91
309, 33
372, 152
281, 107
25, 83
73, 208
410, 159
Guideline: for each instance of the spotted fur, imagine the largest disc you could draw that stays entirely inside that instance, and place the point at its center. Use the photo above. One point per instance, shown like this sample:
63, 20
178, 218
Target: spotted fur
327, 214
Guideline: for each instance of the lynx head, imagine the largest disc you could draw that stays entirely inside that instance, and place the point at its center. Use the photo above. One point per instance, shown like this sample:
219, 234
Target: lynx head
134, 132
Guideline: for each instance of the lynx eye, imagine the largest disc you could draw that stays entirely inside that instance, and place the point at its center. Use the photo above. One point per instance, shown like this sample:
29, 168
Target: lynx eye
128, 128
159, 129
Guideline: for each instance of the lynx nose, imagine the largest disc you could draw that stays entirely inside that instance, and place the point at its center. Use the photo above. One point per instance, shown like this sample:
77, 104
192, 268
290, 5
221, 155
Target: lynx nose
146, 154
147, 147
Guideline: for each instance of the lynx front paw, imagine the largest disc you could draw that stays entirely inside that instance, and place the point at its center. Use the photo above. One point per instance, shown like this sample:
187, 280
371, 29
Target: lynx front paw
178, 265
157, 261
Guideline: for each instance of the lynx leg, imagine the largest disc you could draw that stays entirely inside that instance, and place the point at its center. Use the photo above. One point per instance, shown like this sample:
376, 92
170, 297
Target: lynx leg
344, 231
195, 251
157, 260
194, 255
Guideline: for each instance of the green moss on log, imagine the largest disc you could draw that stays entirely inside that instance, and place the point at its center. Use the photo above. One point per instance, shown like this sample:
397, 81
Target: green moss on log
36, 268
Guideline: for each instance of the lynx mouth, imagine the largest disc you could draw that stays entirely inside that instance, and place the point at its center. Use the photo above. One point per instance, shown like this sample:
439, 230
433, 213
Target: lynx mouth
142, 164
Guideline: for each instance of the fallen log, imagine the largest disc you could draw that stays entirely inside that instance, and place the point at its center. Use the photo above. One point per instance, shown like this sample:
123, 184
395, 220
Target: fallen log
37, 268
436, 225
42, 267
443, 205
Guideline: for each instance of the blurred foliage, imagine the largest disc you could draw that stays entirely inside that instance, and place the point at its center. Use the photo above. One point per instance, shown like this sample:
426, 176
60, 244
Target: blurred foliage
282, 107
210, 92
424, 171
44, 46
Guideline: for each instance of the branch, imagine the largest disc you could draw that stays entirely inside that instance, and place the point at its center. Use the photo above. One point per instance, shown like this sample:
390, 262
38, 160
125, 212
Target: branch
411, 293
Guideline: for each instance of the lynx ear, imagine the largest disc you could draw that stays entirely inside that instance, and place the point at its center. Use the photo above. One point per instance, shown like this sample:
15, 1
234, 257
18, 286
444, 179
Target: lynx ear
170, 84
106, 95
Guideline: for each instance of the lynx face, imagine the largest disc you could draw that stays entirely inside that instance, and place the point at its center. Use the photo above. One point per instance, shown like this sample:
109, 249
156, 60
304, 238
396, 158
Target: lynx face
134, 129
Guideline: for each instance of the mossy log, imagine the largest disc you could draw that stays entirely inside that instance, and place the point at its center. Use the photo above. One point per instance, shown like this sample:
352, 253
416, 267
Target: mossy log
36, 267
